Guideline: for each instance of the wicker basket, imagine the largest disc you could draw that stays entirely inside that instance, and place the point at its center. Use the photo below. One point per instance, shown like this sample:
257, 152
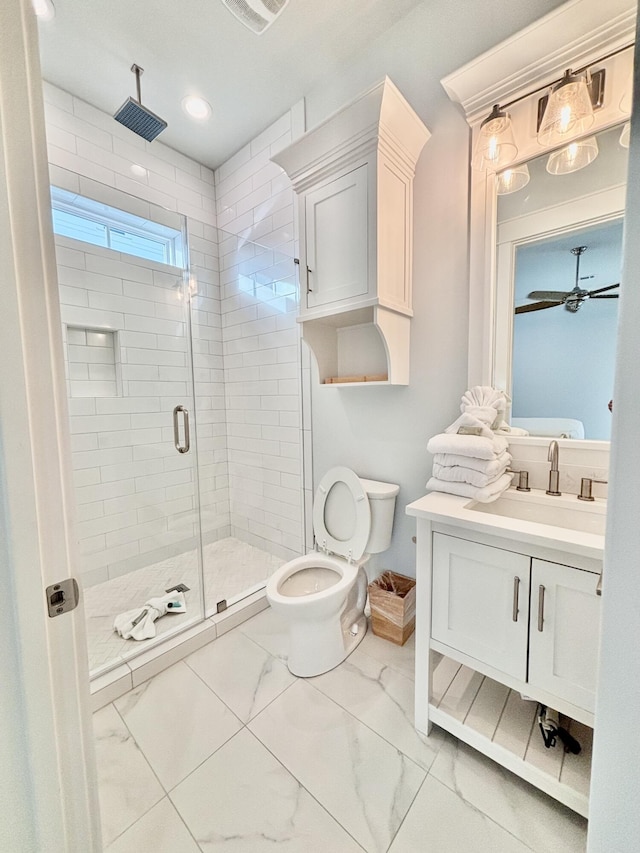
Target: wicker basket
393, 607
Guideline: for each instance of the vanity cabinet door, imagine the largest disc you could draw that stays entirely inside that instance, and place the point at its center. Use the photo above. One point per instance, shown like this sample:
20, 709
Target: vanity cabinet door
336, 233
565, 632
481, 602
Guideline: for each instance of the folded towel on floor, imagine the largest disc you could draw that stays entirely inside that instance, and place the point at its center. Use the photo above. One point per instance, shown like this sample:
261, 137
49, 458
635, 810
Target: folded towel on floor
138, 624
460, 474
493, 466
477, 446
485, 495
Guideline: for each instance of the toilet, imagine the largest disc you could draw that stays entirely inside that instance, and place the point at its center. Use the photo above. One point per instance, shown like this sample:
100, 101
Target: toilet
322, 595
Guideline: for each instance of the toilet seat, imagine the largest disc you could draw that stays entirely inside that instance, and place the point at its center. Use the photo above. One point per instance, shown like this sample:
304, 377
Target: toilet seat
344, 571
354, 546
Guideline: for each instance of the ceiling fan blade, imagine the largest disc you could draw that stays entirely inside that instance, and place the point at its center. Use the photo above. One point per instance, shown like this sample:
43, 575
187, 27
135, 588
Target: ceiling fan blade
603, 289
546, 295
607, 296
536, 306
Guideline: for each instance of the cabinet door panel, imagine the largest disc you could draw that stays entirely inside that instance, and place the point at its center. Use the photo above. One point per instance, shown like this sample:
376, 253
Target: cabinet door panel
563, 656
336, 218
474, 587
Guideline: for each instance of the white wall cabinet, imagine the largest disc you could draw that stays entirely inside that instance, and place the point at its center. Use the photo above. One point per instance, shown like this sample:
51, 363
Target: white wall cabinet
353, 175
336, 241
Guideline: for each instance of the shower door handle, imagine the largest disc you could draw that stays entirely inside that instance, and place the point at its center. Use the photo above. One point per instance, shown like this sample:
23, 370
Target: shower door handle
181, 448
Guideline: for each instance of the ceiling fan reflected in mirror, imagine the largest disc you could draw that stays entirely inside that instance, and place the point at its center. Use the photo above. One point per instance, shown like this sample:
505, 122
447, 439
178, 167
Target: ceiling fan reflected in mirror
571, 299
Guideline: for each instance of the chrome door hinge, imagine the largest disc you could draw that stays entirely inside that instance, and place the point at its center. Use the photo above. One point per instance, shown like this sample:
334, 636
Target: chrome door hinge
62, 597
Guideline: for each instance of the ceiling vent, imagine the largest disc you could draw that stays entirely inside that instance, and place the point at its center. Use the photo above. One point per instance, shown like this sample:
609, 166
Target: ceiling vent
258, 15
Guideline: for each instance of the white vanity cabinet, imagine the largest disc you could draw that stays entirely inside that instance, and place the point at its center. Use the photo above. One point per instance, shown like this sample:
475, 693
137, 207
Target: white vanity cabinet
481, 602
507, 618
564, 632
353, 177
531, 619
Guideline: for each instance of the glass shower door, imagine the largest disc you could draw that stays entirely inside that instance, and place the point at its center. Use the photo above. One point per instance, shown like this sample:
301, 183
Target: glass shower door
126, 328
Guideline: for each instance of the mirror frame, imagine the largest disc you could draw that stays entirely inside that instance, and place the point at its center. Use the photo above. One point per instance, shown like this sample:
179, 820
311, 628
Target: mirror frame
573, 36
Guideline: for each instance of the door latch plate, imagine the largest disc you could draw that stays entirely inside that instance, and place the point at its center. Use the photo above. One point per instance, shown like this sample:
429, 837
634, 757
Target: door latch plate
62, 597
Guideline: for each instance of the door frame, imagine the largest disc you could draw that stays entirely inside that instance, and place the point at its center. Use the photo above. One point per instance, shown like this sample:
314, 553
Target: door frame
47, 766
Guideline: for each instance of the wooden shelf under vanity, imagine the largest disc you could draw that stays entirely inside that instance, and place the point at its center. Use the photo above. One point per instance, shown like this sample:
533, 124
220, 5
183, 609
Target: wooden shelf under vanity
497, 721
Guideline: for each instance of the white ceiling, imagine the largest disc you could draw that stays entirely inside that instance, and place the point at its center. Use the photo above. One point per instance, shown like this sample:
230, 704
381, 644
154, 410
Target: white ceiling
198, 47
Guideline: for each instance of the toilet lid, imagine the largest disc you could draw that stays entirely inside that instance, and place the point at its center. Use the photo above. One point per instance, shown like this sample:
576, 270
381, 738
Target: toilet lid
341, 514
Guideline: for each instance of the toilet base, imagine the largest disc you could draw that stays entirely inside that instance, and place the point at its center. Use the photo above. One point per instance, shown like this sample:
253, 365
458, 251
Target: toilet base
313, 653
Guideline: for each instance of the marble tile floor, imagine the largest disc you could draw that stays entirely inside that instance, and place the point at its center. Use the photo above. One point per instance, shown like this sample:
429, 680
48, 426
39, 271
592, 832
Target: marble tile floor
227, 751
230, 568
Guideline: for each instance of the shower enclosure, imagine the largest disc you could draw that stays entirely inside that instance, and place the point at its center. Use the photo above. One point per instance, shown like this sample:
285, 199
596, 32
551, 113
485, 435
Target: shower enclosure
183, 373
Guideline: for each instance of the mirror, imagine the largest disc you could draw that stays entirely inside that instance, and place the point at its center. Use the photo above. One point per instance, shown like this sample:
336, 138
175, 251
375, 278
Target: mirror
559, 243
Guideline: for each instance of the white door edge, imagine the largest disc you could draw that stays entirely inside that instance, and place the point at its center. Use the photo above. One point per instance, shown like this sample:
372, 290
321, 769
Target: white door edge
47, 772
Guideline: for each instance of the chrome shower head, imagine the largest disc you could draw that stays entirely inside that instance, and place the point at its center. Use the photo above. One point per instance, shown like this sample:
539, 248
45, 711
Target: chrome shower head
137, 118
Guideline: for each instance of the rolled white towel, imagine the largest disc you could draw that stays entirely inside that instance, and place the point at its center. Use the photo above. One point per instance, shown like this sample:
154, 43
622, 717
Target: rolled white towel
138, 624
493, 466
485, 495
477, 446
483, 408
460, 474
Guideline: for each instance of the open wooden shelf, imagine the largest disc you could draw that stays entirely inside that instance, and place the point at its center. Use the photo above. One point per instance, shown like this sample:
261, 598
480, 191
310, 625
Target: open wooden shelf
497, 721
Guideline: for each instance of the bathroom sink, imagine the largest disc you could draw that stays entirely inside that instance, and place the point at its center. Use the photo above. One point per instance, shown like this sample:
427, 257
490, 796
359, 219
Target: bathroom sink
536, 506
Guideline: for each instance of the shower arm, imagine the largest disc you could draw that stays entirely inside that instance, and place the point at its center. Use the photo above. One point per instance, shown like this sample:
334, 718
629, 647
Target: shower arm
138, 72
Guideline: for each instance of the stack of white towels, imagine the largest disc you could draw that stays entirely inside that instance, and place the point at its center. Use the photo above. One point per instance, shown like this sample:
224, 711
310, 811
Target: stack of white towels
470, 458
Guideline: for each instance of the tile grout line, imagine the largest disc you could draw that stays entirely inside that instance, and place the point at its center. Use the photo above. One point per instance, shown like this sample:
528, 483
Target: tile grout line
293, 776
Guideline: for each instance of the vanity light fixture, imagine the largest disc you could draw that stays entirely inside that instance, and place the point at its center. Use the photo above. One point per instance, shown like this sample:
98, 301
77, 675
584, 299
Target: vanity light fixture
495, 146
566, 112
573, 157
512, 180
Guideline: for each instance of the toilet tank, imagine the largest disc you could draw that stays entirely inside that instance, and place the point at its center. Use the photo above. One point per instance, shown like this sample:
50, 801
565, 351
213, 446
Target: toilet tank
382, 501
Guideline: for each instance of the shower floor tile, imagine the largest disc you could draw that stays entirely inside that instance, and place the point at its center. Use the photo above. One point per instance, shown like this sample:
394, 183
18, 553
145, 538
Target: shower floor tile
323, 765
230, 568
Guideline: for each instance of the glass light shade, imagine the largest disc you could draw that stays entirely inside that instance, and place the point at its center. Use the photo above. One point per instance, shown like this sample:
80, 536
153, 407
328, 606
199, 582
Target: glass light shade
569, 111
573, 157
625, 136
495, 146
512, 180
626, 102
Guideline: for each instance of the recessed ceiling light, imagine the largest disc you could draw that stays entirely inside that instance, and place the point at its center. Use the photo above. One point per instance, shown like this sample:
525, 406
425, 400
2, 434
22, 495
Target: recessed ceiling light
138, 170
196, 107
44, 9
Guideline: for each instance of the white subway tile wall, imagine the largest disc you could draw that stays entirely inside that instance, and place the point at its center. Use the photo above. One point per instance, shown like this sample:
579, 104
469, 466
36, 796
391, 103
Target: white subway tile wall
135, 496
261, 345
135, 501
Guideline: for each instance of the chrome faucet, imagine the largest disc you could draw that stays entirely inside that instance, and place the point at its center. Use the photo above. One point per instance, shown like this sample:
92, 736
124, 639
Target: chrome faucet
554, 474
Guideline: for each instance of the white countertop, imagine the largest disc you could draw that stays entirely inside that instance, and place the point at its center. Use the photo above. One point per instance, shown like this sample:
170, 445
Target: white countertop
464, 512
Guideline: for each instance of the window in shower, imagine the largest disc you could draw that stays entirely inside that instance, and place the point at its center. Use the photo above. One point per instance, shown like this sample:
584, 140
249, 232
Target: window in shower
85, 219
